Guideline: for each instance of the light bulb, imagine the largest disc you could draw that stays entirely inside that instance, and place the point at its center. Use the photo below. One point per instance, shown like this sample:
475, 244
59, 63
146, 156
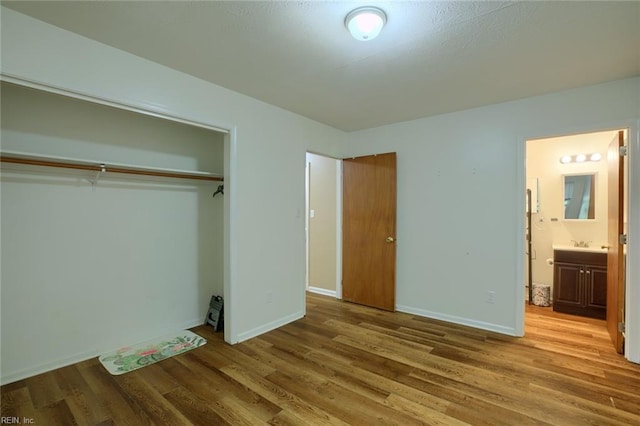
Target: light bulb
365, 23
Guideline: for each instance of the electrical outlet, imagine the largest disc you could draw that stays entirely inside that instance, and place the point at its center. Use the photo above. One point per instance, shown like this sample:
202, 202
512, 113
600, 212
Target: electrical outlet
268, 297
490, 297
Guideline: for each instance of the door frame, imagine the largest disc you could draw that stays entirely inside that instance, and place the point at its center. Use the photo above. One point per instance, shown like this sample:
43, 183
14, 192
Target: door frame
632, 192
338, 279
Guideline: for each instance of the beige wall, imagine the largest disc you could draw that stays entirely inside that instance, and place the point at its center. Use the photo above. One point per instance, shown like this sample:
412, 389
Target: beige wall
543, 162
322, 221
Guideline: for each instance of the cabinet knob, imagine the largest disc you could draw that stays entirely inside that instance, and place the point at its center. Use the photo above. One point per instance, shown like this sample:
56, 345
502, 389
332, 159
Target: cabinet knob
582, 271
588, 272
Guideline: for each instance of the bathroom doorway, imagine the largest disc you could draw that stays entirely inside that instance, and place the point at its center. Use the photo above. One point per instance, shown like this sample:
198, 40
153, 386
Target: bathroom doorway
569, 208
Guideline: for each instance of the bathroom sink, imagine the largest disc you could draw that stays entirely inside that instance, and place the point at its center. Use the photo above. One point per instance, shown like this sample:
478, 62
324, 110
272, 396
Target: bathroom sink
594, 248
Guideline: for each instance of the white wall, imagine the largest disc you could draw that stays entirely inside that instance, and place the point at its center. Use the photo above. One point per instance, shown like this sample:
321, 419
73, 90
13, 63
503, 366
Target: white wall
265, 177
461, 198
50, 124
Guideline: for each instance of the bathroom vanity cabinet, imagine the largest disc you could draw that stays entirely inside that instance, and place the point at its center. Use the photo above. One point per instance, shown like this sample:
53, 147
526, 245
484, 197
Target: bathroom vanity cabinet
580, 283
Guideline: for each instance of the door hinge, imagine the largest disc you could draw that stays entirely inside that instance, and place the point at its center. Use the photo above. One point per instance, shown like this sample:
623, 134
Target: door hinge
621, 327
623, 151
622, 239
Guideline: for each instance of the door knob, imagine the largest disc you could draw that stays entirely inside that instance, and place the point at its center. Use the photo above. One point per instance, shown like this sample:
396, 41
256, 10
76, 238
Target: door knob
390, 239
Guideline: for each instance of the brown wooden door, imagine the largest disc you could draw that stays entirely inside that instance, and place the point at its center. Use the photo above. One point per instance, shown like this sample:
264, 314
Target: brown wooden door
369, 231
615, 256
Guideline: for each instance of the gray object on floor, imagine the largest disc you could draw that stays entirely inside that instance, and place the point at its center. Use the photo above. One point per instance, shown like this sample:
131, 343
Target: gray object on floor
215, 314
541, 294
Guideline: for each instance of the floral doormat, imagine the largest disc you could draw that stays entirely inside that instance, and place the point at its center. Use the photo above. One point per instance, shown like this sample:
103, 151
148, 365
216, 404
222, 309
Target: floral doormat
133, 357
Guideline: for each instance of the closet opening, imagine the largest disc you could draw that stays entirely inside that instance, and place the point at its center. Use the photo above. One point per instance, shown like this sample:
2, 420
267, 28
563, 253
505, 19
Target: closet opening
110, 229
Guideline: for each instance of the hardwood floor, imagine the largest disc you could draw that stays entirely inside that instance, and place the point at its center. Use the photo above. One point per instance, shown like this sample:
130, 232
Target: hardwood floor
348, 364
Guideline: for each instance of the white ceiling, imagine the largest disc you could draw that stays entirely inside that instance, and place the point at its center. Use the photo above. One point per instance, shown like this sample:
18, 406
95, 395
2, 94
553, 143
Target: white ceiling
431, 58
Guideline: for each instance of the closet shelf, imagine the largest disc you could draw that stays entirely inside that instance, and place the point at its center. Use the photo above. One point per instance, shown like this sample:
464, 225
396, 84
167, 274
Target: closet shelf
102, 167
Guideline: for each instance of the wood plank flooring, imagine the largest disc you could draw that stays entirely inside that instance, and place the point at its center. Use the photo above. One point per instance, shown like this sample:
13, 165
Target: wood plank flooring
348, 364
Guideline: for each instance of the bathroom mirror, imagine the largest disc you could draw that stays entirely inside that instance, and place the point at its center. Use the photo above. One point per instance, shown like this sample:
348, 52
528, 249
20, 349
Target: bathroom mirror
579, 197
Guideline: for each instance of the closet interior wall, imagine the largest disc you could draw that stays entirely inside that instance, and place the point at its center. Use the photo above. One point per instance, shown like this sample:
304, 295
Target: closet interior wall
92, 265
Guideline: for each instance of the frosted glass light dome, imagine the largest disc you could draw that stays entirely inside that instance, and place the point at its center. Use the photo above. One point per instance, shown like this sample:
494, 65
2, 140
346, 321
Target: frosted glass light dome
365, 23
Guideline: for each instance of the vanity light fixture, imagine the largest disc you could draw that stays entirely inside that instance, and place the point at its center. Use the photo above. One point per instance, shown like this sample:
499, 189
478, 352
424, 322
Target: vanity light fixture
365, 23
580, 158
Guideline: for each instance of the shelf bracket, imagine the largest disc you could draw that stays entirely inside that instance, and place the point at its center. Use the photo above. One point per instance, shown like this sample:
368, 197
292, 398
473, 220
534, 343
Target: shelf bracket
94, 181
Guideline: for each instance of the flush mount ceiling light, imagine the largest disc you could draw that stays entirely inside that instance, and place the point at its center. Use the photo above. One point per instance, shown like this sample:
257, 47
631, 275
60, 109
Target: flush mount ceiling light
365, 23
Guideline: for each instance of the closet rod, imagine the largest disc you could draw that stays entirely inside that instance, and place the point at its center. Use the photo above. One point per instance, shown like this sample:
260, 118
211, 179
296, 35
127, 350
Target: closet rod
106, 168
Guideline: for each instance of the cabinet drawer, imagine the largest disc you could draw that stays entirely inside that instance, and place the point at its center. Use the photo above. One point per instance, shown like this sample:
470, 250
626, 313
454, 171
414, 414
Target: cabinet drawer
580, 257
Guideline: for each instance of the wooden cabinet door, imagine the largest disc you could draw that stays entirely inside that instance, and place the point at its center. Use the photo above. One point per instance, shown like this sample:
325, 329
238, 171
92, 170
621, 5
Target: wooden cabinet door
567, 289
596, 288
580, 283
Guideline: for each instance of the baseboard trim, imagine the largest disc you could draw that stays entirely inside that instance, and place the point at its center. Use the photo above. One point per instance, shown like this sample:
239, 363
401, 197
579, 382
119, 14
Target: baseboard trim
322, 291
63, 362
269, 326
43, 368
509, 331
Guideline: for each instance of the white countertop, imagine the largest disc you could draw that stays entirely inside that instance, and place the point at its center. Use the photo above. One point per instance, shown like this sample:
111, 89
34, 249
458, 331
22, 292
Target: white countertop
593, 248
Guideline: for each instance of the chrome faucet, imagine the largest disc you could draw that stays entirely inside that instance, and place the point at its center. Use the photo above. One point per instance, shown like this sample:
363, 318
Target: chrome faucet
581, 243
